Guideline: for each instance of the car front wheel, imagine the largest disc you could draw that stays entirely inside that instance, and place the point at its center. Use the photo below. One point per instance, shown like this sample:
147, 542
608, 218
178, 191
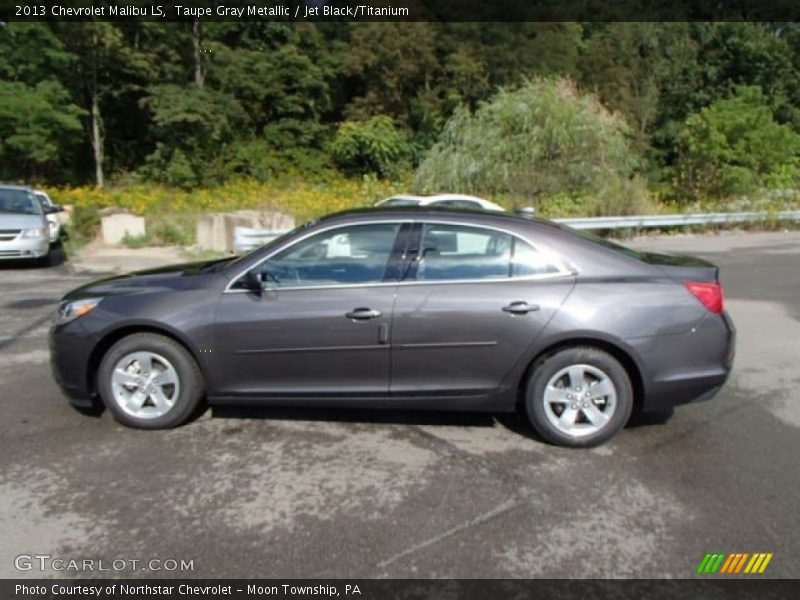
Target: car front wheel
149, 381
579, 397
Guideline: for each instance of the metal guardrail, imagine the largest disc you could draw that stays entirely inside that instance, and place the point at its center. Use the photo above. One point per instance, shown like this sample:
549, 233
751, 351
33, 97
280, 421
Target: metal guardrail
650, 221
247, 239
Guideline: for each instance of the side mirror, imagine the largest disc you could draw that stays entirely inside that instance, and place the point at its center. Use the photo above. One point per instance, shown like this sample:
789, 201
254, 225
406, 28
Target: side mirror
252, 281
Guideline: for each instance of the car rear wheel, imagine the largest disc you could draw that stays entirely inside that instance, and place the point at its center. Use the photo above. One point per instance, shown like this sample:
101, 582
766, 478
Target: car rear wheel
579, 397
149, 381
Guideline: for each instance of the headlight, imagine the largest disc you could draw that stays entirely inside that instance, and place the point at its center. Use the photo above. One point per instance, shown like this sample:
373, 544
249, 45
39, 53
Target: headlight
69, 311
35, 233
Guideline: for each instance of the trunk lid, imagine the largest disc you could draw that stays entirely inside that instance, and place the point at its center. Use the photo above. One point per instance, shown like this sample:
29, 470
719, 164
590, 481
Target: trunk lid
682, 267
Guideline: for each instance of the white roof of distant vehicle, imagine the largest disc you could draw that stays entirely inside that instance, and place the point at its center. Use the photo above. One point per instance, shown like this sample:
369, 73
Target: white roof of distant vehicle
441, 199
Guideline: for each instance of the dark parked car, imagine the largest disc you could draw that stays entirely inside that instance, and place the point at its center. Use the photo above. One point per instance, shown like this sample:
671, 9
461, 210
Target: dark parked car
406, 308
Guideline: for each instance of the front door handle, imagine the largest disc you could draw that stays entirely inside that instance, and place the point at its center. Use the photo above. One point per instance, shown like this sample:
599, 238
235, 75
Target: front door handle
362, 314
520, 308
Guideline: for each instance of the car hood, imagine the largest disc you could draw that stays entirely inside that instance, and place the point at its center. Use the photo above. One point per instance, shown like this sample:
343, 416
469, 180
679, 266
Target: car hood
171, 277
11, 220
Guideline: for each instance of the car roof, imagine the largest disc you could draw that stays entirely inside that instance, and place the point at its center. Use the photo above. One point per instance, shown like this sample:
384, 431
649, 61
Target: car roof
422, 212
437, 197
25, 188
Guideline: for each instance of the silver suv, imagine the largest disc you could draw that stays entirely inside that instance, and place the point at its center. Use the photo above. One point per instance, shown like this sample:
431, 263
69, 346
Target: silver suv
24, 230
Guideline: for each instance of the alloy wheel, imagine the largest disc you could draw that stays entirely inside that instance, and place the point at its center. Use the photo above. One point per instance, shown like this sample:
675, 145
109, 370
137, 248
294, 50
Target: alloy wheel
145, 385
579, 400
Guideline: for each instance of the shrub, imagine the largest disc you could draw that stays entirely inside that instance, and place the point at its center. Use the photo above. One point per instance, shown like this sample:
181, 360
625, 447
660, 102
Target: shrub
137, 241
373, 146
171, 212
541, 140
622, 197
85, 221
735, 146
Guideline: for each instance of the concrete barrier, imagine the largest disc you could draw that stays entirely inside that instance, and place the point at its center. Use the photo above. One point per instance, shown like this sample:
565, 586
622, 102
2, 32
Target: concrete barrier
115, 227
218, 231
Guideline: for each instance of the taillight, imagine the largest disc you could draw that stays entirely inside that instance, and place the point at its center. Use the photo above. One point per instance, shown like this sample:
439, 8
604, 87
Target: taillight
710, 294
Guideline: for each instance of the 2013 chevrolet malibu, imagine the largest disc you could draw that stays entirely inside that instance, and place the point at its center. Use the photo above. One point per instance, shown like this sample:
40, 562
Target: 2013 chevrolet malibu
406, 308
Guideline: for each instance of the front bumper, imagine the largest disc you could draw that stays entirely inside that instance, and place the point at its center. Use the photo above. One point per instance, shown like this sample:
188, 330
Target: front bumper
71, 348
24, 248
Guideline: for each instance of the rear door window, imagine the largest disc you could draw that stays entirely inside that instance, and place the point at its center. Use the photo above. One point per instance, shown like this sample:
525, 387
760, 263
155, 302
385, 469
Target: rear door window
453, 252
463, 252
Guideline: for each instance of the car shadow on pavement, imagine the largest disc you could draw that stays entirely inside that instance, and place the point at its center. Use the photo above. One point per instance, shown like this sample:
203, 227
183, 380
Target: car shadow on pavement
355, 415
514, 422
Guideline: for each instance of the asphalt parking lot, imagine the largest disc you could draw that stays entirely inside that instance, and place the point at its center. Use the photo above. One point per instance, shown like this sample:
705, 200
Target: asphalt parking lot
310, 493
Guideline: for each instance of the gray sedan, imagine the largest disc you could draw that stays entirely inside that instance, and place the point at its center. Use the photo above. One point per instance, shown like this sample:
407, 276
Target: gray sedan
406, 308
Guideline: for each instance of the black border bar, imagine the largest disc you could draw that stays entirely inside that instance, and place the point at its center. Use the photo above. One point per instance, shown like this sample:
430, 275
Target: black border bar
400, 10
735, 588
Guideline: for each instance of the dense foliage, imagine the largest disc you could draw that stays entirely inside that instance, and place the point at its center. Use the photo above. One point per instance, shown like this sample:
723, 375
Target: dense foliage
538, 141
692, 109
735, 146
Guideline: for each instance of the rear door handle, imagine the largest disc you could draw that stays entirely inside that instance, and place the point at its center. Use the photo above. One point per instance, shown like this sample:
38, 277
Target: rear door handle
520, 308
362, 314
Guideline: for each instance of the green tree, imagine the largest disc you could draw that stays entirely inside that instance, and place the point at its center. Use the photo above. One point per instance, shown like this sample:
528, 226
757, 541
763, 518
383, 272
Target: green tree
37, 124
32, 52
373, 146
513, 52
631, 65
388, 64
540, 140
106, 66
283, 91
193, 127
735, 146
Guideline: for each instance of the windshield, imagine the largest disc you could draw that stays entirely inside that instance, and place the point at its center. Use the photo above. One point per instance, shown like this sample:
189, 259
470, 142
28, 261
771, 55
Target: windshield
19, 201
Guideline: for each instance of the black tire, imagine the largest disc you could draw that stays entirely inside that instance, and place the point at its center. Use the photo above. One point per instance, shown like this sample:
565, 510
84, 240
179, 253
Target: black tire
191, 382
549, 366
47, 260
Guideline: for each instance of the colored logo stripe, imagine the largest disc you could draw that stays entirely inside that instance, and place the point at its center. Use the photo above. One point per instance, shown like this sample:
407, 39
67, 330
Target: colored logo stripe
720, 562
758, 563
734, 563
710, 563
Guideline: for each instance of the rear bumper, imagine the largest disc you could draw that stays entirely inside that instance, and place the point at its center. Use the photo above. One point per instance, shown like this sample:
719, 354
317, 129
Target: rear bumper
688, 368
71, 346
24, 248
